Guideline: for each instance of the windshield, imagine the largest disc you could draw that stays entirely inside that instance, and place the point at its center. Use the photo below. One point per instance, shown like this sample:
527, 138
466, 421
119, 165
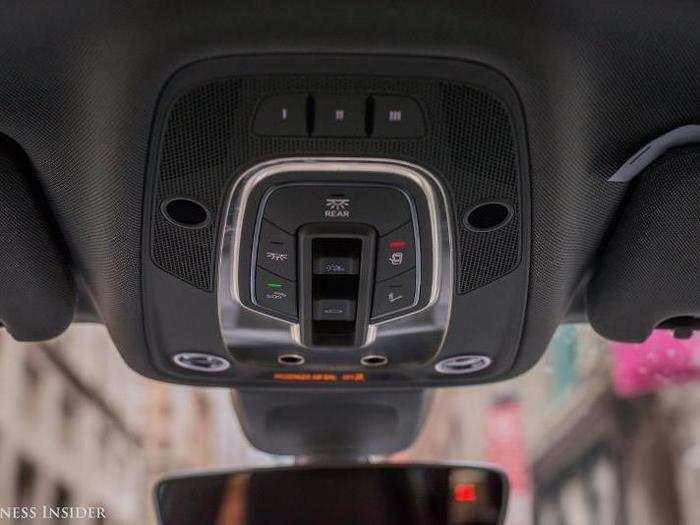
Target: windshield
597, 432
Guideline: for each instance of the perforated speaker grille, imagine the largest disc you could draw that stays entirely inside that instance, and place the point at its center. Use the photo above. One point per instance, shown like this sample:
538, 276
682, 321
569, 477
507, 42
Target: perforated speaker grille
207, 140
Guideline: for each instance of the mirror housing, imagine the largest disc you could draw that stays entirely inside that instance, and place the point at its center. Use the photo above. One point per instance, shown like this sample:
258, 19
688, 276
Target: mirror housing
381, 494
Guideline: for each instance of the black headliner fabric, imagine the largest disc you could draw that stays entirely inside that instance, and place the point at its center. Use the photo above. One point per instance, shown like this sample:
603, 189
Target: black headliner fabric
79, 84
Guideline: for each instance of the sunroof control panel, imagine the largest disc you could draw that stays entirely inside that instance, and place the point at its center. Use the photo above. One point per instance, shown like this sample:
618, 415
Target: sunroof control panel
337, 264
333, 260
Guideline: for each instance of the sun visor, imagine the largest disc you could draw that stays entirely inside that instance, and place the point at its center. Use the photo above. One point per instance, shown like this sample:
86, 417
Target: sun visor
37, 296
648, 273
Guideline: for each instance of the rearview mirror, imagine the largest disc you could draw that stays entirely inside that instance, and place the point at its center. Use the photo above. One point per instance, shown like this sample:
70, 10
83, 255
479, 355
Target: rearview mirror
388, 494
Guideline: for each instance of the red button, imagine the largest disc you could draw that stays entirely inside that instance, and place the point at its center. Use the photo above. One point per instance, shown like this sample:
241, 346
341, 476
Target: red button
397, 245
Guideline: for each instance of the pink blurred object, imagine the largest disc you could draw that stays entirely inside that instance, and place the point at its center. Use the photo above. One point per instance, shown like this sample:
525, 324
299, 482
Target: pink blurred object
505, 446
658, 362
505, 442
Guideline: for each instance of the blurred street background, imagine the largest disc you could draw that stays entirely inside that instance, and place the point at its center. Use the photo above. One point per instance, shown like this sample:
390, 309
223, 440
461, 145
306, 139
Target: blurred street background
597, 433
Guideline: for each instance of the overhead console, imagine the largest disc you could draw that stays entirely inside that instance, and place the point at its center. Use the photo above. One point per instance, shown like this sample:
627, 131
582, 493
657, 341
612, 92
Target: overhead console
336, 221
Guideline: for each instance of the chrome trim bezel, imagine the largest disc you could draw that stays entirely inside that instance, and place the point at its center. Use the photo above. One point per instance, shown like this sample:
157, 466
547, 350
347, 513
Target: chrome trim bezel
244, 327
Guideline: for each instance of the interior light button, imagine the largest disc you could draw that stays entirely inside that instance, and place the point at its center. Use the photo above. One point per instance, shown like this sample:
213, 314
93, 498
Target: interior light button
291, 206
277, 251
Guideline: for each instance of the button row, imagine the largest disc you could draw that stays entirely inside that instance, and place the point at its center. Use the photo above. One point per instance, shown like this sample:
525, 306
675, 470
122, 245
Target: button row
275, 278
395, 288
279, 295
340, 116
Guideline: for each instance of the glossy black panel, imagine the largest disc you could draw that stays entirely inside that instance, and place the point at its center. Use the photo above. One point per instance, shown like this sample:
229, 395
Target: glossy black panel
377, 495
